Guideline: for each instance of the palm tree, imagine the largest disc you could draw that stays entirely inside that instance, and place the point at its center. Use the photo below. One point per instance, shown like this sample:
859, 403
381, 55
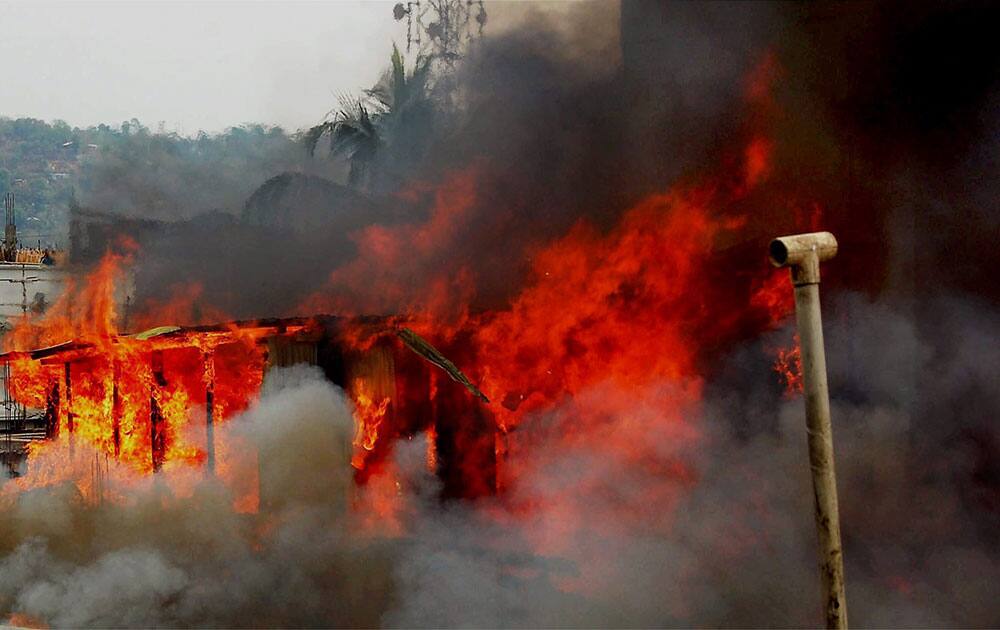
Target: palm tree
396, 93
353, 132
384, 130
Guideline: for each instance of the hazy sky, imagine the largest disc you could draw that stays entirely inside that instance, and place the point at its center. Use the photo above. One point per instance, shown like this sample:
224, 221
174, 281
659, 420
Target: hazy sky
191, 65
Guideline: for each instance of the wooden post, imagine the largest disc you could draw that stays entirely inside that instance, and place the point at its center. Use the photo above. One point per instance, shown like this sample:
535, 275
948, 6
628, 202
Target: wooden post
157, 436
52, 411
70, 420
116, 409
209, 377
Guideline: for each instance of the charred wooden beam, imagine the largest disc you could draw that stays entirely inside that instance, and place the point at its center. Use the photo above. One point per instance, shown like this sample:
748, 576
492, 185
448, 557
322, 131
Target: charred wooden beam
419, 345
52, 411
70, 420
465, 445
209, 378
157, 433
116, 410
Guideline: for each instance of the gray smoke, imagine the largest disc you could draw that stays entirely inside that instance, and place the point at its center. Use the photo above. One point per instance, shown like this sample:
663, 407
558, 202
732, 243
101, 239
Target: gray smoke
158, 559
889, 134
737, 548
554, 130
726, 539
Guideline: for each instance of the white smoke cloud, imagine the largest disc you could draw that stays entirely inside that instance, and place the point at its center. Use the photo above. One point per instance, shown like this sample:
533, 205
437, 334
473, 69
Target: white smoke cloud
164, 558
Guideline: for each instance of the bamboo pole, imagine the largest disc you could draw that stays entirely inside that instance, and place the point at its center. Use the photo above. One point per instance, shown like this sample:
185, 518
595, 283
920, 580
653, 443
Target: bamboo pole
802, 253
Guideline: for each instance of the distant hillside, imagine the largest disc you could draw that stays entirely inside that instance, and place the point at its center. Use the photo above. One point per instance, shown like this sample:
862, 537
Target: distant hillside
132, 171
41, 169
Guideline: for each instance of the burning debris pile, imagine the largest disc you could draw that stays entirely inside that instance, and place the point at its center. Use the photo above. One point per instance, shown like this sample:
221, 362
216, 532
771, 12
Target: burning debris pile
545, 395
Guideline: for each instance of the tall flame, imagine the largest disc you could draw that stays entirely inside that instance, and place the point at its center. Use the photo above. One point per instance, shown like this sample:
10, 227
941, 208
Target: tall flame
134, 401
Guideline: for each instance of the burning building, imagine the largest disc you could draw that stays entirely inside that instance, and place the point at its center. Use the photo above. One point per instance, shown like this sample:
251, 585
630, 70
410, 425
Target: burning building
133, 397
563, 316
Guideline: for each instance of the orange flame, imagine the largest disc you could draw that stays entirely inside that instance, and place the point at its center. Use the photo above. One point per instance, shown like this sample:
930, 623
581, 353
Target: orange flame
368, 416
21, 620
132, 400
788, 365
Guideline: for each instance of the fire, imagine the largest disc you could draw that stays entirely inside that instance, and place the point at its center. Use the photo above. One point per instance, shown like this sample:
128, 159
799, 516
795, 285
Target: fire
788, 365
630, 310
132, 399
631, 306
19, 620
431, 455
593, 299
637, 310
85, 310
757, 161
370, 411
625, 313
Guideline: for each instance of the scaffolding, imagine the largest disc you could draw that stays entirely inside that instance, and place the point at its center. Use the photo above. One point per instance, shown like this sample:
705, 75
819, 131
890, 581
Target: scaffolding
24, 281
19, 426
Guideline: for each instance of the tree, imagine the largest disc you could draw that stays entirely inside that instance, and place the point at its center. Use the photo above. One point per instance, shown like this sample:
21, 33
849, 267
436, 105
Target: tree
353, 132
385, 130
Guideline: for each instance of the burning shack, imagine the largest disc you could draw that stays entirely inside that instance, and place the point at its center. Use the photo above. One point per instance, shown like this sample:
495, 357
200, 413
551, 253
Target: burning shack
154, 398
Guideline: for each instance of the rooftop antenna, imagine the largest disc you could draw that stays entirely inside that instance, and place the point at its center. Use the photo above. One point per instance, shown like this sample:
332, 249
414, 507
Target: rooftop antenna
440, 29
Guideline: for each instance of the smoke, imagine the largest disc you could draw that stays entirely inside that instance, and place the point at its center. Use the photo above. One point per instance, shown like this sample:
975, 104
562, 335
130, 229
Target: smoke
716, 529
162, 176
551, 130
636, 522
173, 551
638, 519
580, 114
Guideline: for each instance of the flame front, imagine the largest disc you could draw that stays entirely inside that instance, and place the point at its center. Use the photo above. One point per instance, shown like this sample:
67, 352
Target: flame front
631, 310
370, 411
136, 401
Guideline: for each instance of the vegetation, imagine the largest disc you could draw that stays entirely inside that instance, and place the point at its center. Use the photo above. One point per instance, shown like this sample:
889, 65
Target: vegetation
167, 176
385, 131
131, 169
38, 167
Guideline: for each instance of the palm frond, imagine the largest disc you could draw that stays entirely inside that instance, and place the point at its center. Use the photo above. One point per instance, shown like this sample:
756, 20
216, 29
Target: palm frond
397, 113
398, 77
313, 135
